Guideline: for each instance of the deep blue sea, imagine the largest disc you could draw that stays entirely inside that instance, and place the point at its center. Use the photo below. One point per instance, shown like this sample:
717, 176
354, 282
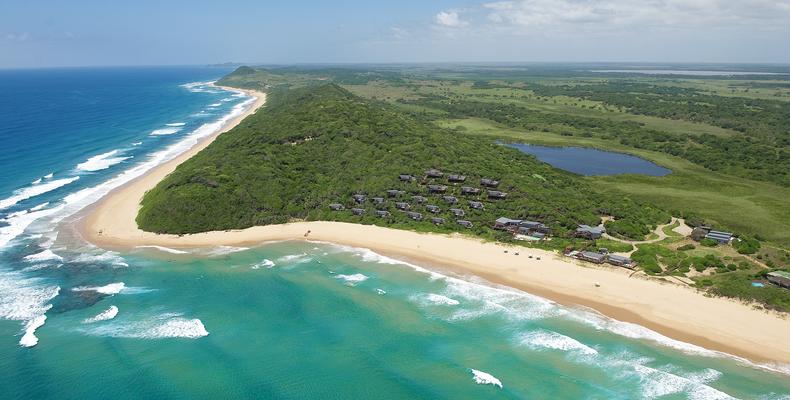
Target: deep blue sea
290, 320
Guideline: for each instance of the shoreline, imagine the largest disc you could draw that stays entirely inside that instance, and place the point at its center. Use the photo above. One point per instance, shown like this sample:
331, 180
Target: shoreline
680, 313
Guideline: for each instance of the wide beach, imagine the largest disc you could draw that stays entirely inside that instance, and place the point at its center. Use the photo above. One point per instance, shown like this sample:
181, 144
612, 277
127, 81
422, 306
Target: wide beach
672, 310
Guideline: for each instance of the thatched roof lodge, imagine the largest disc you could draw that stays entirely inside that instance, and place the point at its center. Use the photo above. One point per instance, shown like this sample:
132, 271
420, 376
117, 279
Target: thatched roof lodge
336, 207
590, 232
402, 206
468, 190
456, 178
504, 223
378, 200
434, 173
450, 199
534, 226
477, 205
357, 211
496, 194
780, 278
419, 199
592, 257
458, 212
489, 182
466, 224
433, 209
395, 193
620, 261
437, 221
437, 188
405, 177
382, 213
414, 215
359, 198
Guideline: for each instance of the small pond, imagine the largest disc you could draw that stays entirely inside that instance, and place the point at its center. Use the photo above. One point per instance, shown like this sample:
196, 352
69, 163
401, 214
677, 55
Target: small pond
586, 161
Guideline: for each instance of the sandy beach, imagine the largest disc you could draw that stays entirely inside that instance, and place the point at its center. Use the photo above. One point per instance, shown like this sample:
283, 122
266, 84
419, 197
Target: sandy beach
675, 311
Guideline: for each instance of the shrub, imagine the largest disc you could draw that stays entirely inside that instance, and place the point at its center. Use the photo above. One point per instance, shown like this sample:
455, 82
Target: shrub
707, 242
686, 247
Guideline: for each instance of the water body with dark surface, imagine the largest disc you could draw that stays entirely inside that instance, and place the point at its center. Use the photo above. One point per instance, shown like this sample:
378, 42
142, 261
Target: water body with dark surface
585, 161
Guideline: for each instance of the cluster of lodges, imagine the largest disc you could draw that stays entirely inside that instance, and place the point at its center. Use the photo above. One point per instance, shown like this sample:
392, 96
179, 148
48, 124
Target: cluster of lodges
521, 228
440, 191
779, 278
603, 256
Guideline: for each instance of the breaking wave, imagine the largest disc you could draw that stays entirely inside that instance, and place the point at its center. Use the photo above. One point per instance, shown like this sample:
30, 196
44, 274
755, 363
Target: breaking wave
353, 279
167, 325
555, 341
164, 249
164, 131
35, 190
266, 263
101, 161
484, 378
105, 315
112, 288
29, 339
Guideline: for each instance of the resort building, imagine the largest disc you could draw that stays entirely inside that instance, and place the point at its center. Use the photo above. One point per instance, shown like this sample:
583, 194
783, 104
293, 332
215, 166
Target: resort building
437, 188
721, 237
358, 211
433, 209
395, 193
458, 212
470, 191
592, 257
382, 213
419, 199
781, 278
414, 215
434, 173
590, 232
489, 182
402, 206
378, 200
450, 199
437, 221
466, 224
336, 207
359, 198
477, 205
456, 178
504, 223
534, 226
405, 177
495, 194
620, 261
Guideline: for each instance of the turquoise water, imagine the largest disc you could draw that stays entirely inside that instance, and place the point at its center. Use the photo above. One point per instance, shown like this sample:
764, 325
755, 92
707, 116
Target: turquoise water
586, 161
291, 320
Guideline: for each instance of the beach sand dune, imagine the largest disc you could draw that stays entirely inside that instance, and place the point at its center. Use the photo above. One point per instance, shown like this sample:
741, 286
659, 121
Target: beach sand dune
675, 311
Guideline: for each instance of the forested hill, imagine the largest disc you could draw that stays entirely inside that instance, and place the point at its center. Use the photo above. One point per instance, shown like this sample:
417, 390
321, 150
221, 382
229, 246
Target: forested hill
317, 145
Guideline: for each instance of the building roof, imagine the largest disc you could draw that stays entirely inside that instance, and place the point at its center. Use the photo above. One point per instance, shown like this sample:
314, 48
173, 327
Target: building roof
780, 274
507, 221
620, 259
591, 229
592, 255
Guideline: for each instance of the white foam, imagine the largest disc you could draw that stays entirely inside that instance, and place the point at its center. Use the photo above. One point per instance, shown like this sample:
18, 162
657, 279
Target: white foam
164, 131
215, 105
137, 143
542, 339
441, 300
49, 175
112, 288
266, 263
36, 182
352, 279
19, 221
167, 325
484, 378
174, 124
223, 250
46, 255
39, 207
164, 249
101, 161
656, 383
33, 191
29, 339
381, 291
22, 298
105, 315
106, 257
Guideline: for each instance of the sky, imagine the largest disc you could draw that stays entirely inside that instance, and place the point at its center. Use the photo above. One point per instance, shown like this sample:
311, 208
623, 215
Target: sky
48, 33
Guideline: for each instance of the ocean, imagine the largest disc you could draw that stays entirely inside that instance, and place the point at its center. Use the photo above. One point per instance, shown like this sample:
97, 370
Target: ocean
287, 320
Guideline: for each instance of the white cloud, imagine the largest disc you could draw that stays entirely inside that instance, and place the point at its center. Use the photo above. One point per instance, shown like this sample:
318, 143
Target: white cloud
450, 19
613, 15
18, 37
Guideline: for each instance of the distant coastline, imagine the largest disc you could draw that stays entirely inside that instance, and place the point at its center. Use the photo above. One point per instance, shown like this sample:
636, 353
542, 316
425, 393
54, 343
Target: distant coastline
745, 332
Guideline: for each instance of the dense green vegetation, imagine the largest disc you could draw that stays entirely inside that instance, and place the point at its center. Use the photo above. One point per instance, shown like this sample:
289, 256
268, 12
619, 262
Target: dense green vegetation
318, 145
725, 140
